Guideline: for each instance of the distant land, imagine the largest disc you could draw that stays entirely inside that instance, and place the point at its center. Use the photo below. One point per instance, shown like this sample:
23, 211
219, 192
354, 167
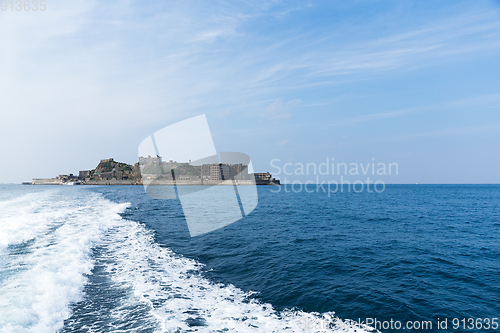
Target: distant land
153, 171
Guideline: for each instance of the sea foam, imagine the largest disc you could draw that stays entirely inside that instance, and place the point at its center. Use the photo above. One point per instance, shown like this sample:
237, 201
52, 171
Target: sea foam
48, 244
46, 240
172, 294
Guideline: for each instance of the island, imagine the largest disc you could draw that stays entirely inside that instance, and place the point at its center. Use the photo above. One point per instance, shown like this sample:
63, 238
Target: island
154, 171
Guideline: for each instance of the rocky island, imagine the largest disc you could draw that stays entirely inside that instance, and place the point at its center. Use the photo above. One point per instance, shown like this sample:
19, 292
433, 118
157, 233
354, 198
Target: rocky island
153, 171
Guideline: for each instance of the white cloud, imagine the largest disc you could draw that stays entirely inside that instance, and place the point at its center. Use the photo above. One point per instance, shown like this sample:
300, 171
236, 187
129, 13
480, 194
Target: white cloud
282, 143
85, 75
278, 109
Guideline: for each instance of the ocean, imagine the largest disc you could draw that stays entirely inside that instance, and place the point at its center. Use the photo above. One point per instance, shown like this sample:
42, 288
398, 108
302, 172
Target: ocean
112, 259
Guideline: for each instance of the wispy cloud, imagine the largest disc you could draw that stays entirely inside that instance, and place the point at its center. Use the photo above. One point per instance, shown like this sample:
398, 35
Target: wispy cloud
137, 65
420, 46
211, 35
282, 143
280, 110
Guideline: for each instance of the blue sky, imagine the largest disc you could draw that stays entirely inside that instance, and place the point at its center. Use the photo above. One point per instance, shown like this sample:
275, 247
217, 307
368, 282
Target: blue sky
414, 83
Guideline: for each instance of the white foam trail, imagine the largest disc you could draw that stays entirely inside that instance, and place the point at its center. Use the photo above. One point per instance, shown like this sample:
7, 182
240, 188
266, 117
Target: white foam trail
46, 240
22, 218
171, 287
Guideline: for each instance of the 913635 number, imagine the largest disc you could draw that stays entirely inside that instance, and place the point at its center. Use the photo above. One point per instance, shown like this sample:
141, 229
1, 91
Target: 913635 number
475, 324
23, 5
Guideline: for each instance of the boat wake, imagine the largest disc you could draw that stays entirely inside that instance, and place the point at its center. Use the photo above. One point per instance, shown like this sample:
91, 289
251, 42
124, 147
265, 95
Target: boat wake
70, 262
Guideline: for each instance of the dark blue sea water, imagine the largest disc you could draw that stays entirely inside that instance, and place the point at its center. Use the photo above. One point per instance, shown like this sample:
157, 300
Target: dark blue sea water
412, 253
